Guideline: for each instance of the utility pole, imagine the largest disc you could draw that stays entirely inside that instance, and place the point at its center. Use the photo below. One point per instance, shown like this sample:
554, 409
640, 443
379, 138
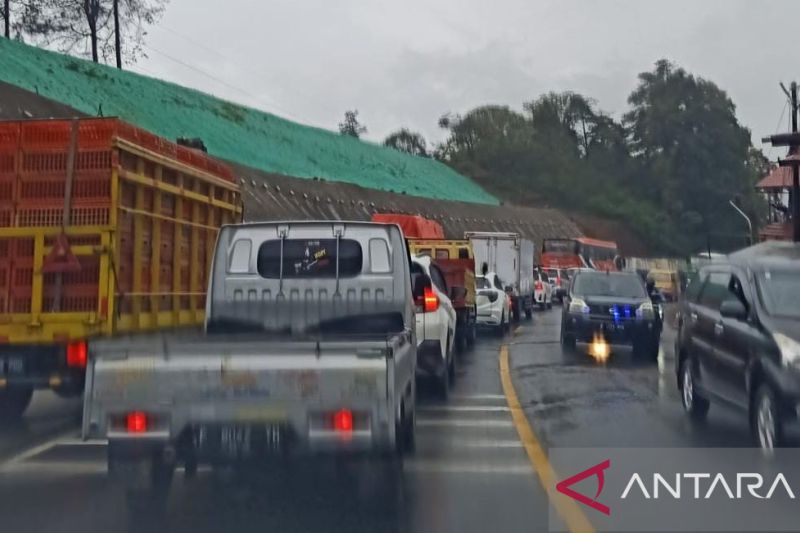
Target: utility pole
7, 18
117, 39
792, 140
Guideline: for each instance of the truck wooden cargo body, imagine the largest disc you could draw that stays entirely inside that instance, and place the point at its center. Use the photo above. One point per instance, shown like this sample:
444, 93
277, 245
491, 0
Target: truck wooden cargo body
104, 229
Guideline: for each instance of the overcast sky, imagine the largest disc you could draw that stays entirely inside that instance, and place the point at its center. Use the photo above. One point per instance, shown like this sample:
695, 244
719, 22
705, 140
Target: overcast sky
406, 63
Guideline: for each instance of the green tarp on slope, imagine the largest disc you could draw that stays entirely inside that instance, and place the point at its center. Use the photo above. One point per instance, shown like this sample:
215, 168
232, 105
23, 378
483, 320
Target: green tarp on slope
230, 131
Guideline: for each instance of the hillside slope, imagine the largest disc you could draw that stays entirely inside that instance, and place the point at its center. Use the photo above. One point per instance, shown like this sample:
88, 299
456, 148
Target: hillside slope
230, 131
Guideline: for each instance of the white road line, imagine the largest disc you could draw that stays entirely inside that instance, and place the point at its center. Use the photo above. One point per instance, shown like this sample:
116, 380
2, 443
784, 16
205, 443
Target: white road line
464, 409
484, 443
477, 397
447, 467
36, 450
78, 442
74, 467
464, 423
57, 467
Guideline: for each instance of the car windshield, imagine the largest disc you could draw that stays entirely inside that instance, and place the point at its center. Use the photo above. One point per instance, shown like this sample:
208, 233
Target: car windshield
779, 291
482, 283
598, 284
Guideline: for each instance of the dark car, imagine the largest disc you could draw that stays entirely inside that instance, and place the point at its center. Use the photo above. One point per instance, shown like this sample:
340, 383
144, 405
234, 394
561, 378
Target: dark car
559, 277
738, 340
613, 306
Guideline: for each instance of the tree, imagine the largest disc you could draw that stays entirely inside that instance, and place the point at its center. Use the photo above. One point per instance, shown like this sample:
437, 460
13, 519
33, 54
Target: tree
408, 142
100, 26
694, 153
351, 126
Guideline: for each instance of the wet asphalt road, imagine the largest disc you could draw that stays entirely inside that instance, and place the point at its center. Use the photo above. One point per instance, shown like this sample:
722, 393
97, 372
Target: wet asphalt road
470, 471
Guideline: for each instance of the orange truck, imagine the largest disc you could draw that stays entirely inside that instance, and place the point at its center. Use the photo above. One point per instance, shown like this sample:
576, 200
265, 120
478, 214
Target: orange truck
454, 258
105, 230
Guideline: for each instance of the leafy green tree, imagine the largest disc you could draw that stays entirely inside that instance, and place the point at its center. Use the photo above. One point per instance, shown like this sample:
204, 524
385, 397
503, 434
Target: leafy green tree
408, 142
694, 153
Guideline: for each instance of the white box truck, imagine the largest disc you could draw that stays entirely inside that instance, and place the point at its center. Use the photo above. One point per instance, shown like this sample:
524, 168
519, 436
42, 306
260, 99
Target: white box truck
510, 257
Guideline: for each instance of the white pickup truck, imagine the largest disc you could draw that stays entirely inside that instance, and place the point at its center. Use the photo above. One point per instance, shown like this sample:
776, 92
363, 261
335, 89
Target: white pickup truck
309, 350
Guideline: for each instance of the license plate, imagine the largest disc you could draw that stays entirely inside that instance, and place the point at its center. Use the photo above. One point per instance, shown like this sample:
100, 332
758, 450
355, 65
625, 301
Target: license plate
613, 327
15, 366
239, 441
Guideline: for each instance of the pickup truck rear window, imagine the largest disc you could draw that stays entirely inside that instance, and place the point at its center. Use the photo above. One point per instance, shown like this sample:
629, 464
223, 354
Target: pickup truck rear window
310, 258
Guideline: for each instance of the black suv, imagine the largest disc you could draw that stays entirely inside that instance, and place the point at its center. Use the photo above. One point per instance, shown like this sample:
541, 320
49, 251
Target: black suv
614, 306
739, 338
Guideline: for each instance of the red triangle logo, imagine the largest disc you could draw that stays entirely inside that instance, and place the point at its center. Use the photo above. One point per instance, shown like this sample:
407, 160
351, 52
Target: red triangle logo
61, 259
597, 470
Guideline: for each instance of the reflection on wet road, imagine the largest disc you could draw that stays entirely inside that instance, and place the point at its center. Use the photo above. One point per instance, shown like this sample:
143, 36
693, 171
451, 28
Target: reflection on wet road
470, 471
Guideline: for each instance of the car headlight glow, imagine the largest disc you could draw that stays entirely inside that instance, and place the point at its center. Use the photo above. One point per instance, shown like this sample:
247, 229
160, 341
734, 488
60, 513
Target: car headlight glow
790, 350
645, 311
578, 306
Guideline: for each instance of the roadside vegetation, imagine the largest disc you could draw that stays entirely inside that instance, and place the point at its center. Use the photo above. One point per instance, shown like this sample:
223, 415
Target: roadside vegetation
667, 169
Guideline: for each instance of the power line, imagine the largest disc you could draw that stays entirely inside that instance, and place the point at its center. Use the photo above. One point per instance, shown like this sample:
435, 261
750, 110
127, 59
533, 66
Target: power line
233, 61
196, 43
226, 84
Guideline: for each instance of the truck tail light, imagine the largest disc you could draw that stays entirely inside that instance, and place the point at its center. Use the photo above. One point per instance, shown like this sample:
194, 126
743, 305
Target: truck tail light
136, 422
558, 282
77, 354
538, 285
343, 421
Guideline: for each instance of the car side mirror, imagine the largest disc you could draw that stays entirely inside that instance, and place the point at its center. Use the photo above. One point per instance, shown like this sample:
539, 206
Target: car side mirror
733, 309
509, 289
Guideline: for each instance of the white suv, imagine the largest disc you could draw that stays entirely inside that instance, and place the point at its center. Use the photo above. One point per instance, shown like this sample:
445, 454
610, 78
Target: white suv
494, 304
436, 324
542, 290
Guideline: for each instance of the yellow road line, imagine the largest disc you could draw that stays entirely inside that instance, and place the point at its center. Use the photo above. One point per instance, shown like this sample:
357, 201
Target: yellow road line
567, 509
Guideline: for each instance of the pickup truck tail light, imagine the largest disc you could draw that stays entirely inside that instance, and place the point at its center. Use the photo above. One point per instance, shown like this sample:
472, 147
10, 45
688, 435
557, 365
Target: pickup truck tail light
558, 282
136, 422
429, 302
77, 354
538, 285
343, 421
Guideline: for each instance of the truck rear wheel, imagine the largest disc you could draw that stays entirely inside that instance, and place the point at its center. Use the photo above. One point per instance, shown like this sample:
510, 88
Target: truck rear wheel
150, 503
461, 339
14, 401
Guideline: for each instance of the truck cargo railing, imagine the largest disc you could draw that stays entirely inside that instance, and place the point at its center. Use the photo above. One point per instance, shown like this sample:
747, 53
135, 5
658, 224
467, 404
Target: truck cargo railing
134, 217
